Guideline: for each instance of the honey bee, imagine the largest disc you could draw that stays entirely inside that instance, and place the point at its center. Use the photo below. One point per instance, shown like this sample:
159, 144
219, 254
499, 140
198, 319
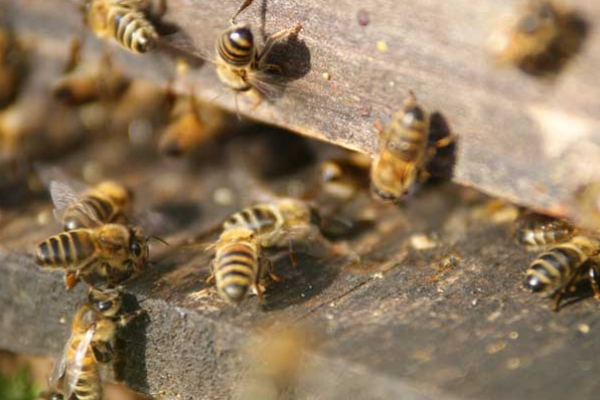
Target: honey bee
125, 21
404, 152
342, 178
82, 86
279, 222
558, 269
12, 64
188, 128
107, 202
91, 344
241, 63
535, 231
238, 265
110, 252
538, 36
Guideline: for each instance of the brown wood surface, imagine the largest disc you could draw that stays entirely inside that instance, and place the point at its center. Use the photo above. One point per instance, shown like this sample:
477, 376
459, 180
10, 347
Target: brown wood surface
400, 324
532, 141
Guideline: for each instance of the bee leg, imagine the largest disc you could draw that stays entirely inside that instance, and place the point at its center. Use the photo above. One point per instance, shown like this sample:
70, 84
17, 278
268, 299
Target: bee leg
103, 352
292, 254
593, 276
556, 299
125, 319
71, 279
444, 142
74, 55
259, 289
257, 99
271, 39
269, 270
211, 277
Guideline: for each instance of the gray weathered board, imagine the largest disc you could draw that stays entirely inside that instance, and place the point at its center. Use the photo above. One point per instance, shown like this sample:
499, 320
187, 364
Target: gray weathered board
531, 141
399, 325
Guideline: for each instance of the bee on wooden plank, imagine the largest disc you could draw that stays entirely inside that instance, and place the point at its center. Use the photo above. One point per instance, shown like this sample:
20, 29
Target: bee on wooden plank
110, 252
538, 37
537, 231
125, 21
404, 151
241, 63
343, 177
91, 344
569, 255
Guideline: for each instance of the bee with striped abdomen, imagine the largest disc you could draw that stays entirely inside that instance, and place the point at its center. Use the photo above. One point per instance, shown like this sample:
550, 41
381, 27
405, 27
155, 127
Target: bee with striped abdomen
241, 63
110, 252
404, 152
125, 21
238, 266
557, 270
536, 231
107, 202
93, 330
278, 222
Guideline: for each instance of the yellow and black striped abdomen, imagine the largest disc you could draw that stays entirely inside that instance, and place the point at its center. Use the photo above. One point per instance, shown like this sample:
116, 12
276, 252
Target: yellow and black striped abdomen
131, 28
88, 211
260, 219
554, 269
65, 250
236, 46
87, 382
408, 134
236, 271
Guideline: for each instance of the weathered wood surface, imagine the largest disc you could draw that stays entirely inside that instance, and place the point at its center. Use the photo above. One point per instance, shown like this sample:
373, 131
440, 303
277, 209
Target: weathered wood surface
399, 325
531, 141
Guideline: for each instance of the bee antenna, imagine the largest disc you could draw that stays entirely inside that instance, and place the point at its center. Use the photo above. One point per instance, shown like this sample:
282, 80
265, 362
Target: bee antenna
157, 238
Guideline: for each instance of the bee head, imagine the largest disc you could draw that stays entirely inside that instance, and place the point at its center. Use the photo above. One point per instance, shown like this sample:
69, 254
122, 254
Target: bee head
106, 301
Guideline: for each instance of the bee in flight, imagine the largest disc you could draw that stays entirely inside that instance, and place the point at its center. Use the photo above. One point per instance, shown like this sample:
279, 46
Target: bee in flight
569, 255
125, 21
240, 63
93, 331
537, 37
106, 203
404, 152
110, 252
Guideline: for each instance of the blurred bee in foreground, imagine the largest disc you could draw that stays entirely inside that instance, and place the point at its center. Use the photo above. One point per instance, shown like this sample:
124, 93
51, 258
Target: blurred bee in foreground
125, 21
538, 37
107, 202
188, 129
110, 253
404, 152
83, 85
93, 332
276, 359
13, 64
569, 255
241, 63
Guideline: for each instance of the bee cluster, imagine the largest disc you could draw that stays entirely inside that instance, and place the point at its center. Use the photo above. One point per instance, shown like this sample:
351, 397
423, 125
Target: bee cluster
102, 241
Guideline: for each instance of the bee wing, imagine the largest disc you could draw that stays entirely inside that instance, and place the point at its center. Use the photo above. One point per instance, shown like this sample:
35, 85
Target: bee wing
75, 365
60, 366
63, 196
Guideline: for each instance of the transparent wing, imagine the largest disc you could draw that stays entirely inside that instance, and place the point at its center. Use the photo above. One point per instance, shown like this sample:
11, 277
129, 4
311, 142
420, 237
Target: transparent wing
75, 365
64, 196
60, 366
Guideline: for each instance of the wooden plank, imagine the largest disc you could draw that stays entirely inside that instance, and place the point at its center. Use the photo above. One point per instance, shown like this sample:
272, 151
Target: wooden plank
401, 324
530, 141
